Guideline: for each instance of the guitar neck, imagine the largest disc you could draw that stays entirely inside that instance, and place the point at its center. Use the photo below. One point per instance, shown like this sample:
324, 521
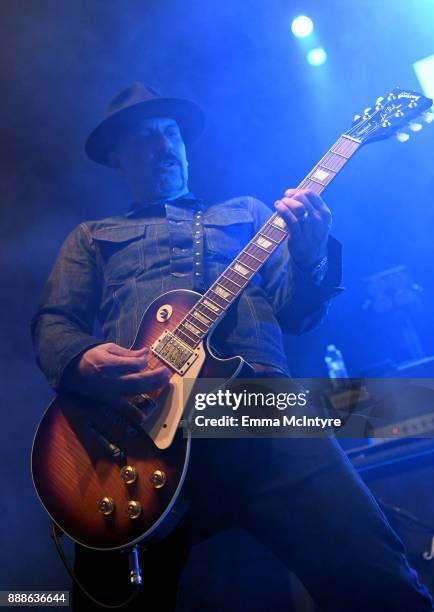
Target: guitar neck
228, 286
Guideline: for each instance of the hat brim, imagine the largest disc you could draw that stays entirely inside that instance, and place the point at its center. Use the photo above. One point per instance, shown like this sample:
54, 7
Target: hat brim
103, 139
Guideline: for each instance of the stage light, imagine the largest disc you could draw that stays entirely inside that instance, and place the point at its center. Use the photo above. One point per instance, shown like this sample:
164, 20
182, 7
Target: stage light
424, 70
302, 26
317, 57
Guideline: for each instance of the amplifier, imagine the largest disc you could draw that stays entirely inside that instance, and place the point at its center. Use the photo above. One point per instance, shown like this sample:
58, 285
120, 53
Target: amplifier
400, 474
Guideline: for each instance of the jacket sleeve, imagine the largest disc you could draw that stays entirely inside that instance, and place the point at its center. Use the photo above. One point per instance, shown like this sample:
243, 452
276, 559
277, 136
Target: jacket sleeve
300, 300
63, 324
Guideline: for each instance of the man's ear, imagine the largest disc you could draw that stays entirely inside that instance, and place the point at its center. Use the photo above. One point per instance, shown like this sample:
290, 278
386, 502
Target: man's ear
115, 163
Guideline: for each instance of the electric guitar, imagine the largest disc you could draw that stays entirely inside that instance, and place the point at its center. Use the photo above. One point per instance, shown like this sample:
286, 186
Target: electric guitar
105, 483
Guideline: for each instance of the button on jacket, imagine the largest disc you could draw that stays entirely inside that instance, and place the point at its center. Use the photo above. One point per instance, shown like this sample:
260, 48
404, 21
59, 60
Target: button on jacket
112, 269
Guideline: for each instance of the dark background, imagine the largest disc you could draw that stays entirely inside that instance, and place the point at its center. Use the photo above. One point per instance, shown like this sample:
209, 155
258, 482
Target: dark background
271, 117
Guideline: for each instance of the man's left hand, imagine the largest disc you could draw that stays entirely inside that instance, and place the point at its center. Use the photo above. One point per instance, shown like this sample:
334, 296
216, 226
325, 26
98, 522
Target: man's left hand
309, 220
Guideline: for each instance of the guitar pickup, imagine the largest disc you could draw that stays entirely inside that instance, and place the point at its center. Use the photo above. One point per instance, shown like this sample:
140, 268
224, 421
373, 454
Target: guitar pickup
174, 352
143, 402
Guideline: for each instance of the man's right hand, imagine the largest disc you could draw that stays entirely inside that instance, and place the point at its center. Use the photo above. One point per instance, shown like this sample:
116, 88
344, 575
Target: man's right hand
119, 371
110, 373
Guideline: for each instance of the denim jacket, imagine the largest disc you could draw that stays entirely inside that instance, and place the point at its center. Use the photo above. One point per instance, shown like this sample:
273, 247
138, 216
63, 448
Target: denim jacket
112, 269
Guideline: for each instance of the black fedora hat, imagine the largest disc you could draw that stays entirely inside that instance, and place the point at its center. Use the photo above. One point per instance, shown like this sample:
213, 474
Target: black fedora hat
137, 102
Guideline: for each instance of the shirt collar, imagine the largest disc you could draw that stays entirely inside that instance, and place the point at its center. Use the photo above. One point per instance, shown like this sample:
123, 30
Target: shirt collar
150, 208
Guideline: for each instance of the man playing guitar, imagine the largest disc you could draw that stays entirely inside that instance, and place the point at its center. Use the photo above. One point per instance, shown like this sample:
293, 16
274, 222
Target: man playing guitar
299, 497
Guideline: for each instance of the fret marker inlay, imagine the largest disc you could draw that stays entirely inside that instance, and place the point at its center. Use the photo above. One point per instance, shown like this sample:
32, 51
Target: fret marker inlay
279, 222
222, 291
241, 269
201, 317
192, 328
211, 306
321, 175
263, 242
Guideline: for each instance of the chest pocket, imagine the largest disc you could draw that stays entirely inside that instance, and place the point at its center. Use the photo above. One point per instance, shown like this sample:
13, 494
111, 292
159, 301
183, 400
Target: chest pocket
227, 232
122, 251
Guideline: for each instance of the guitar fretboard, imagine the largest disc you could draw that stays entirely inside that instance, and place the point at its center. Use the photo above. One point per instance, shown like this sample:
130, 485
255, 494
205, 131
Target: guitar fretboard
228, 286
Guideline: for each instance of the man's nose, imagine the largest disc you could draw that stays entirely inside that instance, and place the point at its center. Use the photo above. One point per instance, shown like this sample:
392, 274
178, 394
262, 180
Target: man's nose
162, 142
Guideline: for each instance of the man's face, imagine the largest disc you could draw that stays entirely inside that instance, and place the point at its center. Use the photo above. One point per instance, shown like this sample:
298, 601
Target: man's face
153, 160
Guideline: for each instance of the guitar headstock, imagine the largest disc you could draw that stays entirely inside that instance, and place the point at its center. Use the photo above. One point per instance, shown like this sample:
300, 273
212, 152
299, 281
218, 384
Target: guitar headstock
398, 110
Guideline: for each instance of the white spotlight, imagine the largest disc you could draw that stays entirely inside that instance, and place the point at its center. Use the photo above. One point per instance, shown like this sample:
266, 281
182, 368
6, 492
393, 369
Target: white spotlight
302, 26
317, 57
424, 70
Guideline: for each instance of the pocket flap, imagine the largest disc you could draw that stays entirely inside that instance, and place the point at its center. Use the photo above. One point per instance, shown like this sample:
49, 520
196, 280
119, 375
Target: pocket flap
227, 231
119, 233
228, 216
121, 248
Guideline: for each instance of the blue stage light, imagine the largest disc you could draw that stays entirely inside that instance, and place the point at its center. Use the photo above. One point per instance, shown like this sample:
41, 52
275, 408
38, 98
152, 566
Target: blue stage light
317, 56
302, 26
424, 70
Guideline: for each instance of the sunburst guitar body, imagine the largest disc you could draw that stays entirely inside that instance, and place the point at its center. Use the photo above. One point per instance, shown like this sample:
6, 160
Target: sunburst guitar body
105, 481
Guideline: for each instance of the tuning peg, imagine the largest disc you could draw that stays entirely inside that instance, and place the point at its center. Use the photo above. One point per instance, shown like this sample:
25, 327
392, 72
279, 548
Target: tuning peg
402, 136
366, 112
378, 103
415, 126
357, 117
428, 116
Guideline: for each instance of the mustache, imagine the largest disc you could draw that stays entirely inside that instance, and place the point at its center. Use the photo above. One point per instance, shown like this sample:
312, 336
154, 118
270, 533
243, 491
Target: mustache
167, 158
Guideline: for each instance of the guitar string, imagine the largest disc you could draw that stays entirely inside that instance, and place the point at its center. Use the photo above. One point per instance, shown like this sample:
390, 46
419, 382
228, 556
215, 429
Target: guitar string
345, 148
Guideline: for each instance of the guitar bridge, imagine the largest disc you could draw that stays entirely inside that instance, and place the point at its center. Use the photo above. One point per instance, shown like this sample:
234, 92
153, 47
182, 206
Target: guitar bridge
174, 352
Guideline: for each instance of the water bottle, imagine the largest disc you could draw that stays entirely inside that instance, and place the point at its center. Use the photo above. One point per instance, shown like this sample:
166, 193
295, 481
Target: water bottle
335, 362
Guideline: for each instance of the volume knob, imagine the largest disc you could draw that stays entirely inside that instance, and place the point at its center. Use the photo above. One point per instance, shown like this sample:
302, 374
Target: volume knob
133, 509
158, 479
129, 474
106, 505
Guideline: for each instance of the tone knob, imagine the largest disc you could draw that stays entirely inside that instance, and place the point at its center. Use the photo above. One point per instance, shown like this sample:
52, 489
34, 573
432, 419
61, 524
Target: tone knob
106, 505
133, 509
129, 474
158, 479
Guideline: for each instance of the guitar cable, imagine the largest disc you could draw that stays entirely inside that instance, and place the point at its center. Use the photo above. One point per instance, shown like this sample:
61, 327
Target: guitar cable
55, 536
